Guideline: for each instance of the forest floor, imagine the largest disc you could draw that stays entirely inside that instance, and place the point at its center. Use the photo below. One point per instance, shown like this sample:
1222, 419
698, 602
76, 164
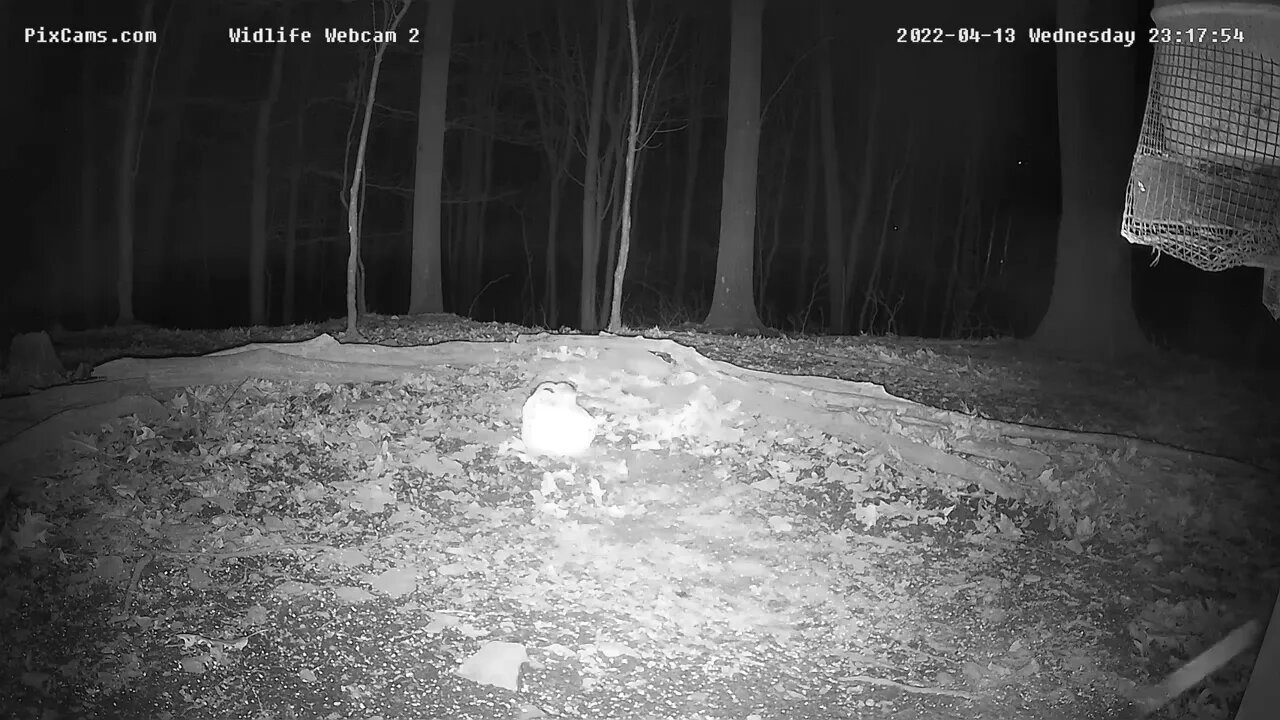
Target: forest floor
271, 548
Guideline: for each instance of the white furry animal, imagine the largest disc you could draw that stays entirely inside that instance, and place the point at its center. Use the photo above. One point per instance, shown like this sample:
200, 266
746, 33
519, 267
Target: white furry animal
553, 422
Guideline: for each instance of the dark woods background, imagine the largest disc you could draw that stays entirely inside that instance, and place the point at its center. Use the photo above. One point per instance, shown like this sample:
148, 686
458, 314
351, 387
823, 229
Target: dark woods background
947, 163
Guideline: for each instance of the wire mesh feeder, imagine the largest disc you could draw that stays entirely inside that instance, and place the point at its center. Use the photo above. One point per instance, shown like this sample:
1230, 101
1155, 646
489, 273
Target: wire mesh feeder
1205, 183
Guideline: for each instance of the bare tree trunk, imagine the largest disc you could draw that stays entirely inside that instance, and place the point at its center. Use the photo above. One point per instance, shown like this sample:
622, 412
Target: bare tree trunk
610, 190
357, 180
90, 256
733, 306
127, 176
289, 289
557, 144
314, 270
1091, 310
668, 182
426, 281
863, 190
837, 300
204, 241
289, 304
898, 288
587, 318
467, 241
926, 292
469, 228
807, 235
261, 187
161, 182
967, 197
772, 208
873, 297
633, 142
693, 154
480, 210
550, 278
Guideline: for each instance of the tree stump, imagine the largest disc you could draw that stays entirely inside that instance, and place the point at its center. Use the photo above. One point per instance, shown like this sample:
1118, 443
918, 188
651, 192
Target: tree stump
33, 364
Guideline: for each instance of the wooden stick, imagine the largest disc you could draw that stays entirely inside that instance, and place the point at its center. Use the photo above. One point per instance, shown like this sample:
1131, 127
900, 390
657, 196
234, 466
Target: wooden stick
1201, 666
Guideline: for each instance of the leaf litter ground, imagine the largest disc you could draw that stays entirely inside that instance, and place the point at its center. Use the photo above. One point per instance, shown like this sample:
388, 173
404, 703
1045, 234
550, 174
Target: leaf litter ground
285, 550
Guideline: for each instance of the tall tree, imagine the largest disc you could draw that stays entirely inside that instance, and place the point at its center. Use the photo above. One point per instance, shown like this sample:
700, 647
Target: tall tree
90, 255
355, 194
593, 174
294, 194
162, 168
633, 141
425, 294
557, 129
697, 79
260, 190
733, 305
127, 175
583, 99
1090, 311
468, 242
837, 285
